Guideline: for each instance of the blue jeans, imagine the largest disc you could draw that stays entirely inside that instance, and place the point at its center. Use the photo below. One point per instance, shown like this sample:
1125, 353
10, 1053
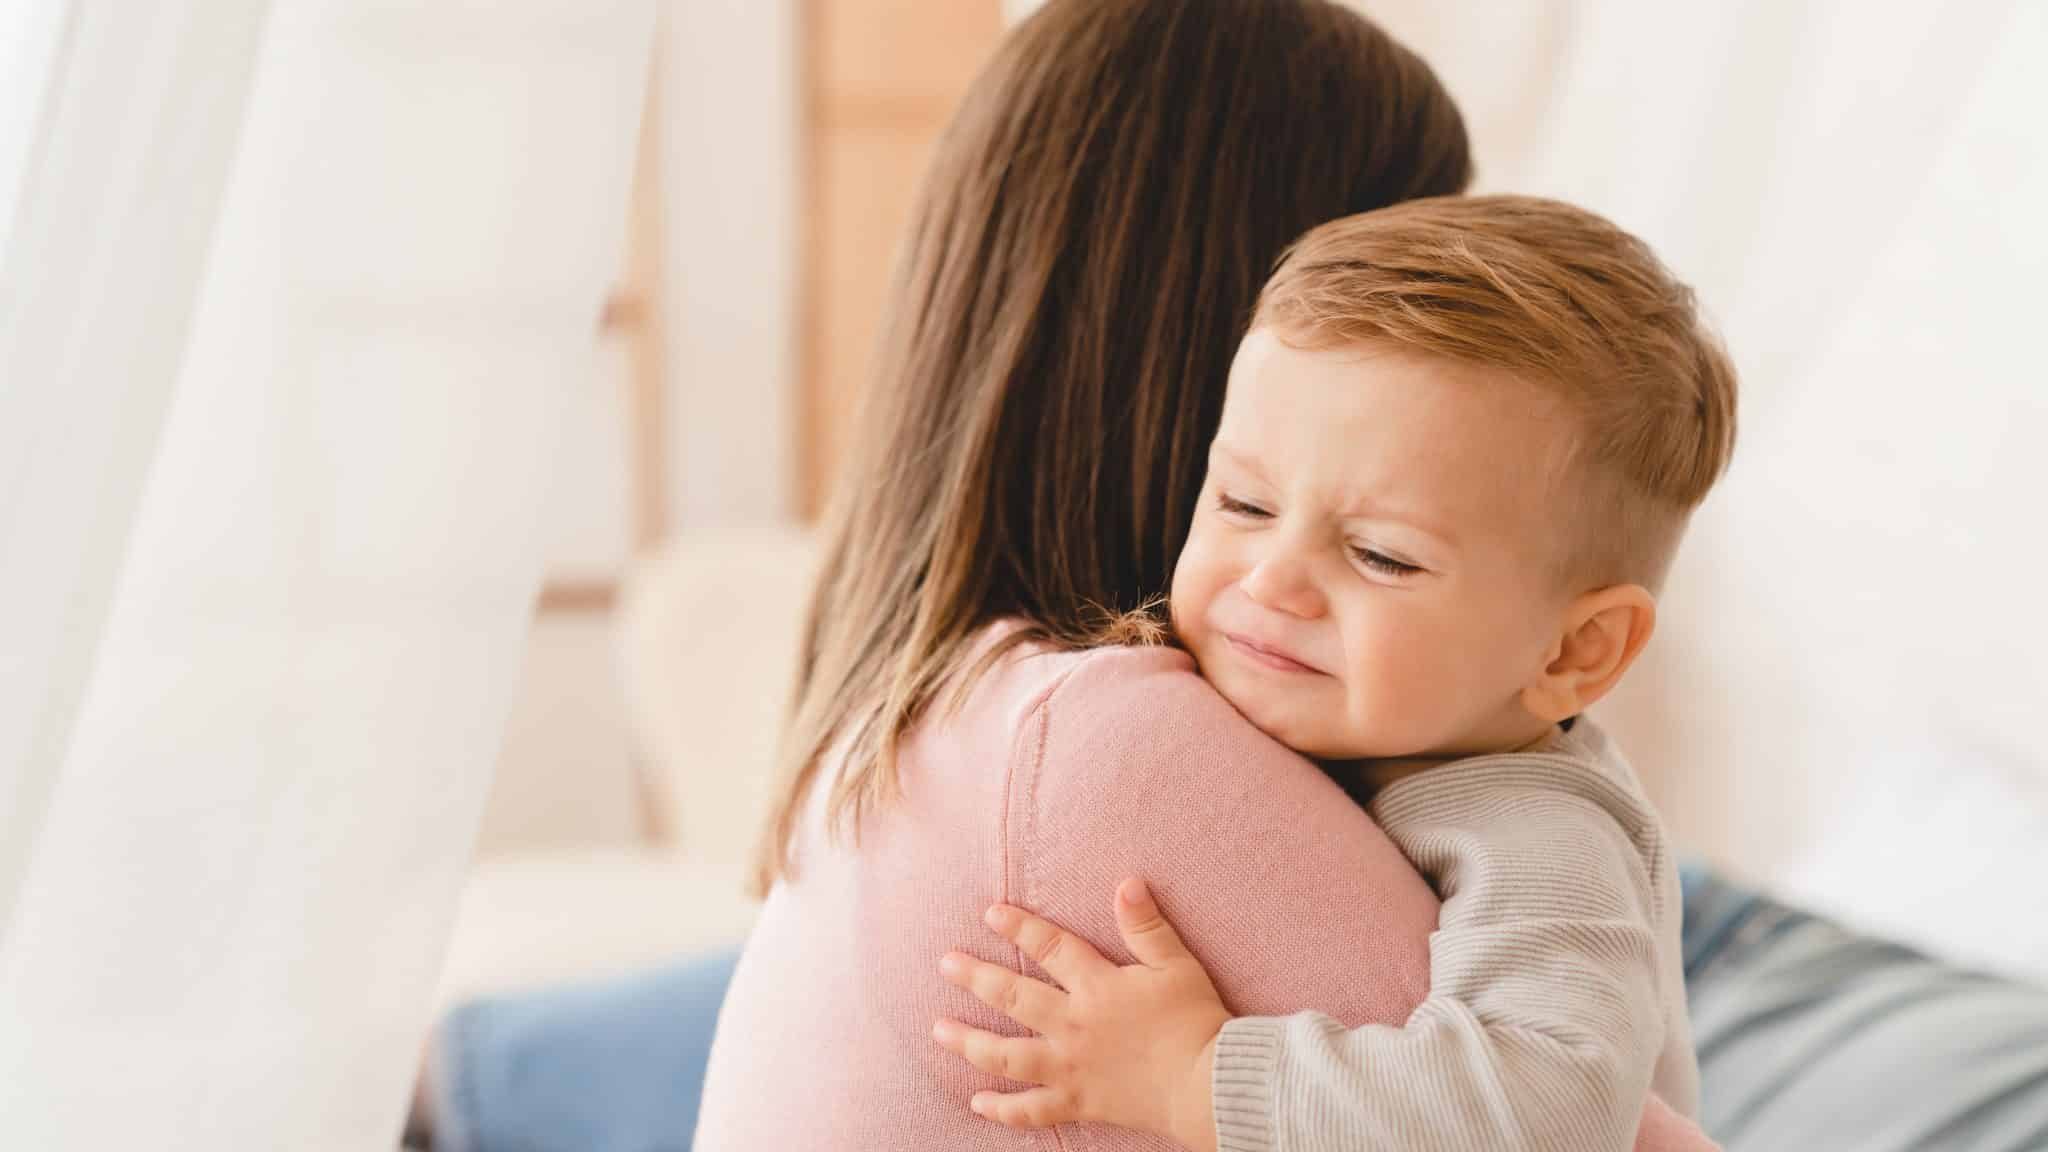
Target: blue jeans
615, 1066
1809, 1036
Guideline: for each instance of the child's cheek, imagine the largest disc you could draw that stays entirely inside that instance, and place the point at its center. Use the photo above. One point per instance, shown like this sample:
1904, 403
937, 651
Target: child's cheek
1199, 577
1389, 683
1185, 605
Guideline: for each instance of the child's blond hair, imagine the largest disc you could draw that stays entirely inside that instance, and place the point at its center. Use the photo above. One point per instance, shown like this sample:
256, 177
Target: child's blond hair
1564, 299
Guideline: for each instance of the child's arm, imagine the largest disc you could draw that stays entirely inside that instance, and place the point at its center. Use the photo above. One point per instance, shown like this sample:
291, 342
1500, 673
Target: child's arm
1541, 1030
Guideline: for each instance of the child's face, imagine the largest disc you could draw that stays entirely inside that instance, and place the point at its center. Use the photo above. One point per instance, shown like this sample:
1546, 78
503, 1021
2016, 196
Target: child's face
1372, 568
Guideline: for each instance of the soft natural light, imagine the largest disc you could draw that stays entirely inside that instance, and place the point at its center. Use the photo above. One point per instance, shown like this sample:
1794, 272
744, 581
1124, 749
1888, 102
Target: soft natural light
419, 423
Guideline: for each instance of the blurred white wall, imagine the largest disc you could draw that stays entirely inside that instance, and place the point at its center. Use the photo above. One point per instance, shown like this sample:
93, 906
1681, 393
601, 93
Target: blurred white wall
730, 158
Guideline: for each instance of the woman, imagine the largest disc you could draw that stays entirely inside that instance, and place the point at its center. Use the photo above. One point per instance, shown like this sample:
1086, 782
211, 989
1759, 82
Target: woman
1092, 235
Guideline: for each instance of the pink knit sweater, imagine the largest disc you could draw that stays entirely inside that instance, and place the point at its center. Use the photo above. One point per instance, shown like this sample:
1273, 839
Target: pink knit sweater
1060, 774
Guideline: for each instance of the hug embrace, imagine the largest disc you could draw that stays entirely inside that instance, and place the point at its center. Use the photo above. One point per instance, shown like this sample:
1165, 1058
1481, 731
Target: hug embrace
1457, 443
1189, 742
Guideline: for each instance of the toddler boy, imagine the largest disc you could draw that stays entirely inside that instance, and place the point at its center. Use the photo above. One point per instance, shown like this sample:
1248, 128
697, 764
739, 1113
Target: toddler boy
1459, 447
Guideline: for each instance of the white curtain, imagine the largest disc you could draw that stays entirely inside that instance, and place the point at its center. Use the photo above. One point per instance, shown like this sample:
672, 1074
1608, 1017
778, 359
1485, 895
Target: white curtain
1845, 694
114, 172
292, 294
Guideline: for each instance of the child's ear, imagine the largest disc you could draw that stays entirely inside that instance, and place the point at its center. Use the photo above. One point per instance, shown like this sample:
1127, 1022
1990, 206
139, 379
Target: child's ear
1603, 633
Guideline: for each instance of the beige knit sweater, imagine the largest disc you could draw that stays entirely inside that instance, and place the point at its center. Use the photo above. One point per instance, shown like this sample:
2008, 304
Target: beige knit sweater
1557, 1001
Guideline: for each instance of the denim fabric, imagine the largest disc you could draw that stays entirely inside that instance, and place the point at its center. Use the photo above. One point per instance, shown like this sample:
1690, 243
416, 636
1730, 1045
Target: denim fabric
616, 1066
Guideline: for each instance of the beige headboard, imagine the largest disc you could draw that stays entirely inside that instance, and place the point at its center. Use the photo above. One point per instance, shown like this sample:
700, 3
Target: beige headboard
708, 632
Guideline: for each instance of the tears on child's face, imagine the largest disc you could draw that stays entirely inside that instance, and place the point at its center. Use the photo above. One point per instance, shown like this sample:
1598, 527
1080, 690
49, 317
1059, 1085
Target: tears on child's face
1372, 569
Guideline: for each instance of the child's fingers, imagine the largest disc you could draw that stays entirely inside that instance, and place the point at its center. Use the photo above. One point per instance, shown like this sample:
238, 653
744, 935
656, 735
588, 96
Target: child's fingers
1033, 1004
1145, 930
1058, 951
1037, 1108
1025, 1058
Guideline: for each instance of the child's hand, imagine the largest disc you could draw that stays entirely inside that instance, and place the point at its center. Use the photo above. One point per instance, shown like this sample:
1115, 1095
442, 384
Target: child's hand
1128, 1046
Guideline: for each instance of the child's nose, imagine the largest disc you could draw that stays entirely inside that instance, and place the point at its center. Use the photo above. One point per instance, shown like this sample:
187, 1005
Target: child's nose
1284, 581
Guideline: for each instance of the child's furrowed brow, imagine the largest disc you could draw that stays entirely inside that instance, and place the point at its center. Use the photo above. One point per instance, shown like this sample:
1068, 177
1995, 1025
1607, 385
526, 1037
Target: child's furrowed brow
1381, 508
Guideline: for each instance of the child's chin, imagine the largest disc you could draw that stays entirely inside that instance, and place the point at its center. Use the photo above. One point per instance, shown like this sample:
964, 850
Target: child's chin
1284, 724
1305, 732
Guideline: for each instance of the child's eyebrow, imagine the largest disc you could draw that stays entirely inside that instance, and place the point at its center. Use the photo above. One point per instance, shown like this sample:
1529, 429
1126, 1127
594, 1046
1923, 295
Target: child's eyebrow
1241, 460
1365, 505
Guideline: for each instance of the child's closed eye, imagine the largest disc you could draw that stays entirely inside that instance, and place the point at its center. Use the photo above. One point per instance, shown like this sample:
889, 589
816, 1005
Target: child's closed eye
1382, 563
1231, 505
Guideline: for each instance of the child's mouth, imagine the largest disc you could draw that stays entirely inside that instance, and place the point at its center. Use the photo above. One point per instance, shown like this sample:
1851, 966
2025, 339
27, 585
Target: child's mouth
1268, 657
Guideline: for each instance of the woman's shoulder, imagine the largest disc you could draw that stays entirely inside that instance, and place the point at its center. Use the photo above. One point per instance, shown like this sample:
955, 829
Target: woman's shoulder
1141, 688
1142, 718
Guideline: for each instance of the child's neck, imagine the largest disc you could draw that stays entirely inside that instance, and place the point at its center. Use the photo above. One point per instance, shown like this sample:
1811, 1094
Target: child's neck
1377, 774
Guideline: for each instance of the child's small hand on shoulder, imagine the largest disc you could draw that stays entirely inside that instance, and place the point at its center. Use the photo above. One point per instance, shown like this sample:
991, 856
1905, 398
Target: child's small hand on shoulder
1131, 1046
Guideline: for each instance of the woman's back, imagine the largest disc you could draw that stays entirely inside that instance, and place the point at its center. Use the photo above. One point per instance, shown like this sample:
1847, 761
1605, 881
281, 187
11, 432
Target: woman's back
1059, 774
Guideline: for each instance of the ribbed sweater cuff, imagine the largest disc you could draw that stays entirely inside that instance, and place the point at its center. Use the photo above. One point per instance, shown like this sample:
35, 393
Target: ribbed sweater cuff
1241, 1084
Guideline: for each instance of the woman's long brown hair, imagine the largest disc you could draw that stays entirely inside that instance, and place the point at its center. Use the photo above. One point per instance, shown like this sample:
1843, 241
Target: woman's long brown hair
1089, 242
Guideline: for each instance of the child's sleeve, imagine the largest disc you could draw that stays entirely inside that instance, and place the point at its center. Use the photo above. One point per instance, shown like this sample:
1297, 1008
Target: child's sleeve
1544, 1020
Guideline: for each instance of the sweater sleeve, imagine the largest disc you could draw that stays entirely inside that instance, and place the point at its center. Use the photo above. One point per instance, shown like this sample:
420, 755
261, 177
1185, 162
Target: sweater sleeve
1544, 1021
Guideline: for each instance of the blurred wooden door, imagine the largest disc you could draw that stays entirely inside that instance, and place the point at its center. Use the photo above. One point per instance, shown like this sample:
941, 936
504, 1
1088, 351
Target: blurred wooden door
881, 78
